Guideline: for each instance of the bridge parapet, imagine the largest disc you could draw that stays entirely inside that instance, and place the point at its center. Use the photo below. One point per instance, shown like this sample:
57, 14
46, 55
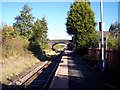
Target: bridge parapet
52, 42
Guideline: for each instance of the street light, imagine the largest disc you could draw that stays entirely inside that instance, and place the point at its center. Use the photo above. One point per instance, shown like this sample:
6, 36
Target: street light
102, 36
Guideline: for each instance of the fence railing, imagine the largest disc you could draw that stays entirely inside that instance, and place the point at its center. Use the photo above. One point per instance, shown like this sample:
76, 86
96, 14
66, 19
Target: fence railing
112, 58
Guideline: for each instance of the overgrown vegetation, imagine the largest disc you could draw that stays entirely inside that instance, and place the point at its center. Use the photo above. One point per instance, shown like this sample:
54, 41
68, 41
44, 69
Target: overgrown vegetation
15, 57
23, 44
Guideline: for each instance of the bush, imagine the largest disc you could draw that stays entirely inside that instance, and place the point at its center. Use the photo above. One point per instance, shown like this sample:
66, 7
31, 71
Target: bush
13, 46
114, 43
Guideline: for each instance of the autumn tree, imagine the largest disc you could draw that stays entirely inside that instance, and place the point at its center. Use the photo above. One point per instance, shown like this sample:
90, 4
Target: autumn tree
7, 31
81, 24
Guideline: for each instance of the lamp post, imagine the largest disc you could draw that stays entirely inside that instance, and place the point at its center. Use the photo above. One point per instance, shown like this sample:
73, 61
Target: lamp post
102, 37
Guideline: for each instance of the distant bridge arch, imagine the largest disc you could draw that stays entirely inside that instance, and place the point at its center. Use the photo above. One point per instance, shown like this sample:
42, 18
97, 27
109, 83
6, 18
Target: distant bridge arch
52, 43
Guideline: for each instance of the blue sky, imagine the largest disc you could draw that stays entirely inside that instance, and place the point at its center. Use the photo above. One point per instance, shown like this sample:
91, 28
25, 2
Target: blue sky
110, 12
56, 13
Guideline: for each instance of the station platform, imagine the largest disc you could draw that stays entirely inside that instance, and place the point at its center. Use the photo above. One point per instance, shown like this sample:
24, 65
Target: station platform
73, 72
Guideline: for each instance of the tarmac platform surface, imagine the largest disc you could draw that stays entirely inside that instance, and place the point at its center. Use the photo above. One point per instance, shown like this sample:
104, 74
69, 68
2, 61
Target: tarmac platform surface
73, 72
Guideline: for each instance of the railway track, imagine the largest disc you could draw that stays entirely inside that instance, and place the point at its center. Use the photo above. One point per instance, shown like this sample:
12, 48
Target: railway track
32, 76
44, 79
39, 78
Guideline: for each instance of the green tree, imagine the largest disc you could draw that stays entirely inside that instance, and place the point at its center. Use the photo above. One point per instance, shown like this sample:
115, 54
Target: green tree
24, 22
40, 33
114, 37
44, 34
81, 24
115, 29
38, 41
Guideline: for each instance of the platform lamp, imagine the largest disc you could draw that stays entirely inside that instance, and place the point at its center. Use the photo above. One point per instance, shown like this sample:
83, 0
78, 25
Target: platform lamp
101, 27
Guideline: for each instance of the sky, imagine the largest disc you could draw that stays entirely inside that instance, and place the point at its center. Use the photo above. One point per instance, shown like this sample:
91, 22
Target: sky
56, 14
